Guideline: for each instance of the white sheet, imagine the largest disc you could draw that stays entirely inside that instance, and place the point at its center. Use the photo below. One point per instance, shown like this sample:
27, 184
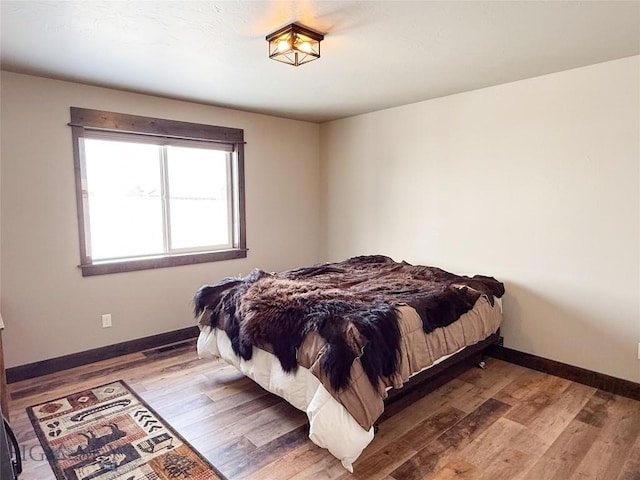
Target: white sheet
331, 426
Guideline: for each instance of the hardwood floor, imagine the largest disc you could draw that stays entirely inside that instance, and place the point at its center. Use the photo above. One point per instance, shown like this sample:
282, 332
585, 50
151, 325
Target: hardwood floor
504, 422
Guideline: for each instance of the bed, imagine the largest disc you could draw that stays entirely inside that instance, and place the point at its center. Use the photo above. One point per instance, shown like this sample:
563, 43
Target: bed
335, 339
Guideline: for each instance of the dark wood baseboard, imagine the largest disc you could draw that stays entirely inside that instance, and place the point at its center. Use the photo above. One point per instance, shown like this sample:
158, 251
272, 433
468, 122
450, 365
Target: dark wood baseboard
45, 367
601, 381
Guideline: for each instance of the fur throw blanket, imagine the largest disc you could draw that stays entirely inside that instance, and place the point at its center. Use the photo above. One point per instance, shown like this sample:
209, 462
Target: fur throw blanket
351, 304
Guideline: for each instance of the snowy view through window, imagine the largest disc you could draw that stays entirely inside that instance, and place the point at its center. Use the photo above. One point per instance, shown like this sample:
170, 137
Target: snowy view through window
146, 199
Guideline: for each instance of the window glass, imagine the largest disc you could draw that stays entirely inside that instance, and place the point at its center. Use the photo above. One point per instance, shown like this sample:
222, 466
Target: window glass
200, 207
124, 192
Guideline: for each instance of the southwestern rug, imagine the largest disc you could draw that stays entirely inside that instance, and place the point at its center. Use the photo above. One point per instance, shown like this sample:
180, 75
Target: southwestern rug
108, 433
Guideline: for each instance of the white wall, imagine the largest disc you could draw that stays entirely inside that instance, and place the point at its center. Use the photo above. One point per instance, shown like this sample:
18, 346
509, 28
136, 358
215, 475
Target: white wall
48, 307
534, 182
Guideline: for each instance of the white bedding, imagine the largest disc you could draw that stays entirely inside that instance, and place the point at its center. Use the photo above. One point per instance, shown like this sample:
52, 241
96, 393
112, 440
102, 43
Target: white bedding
330, 425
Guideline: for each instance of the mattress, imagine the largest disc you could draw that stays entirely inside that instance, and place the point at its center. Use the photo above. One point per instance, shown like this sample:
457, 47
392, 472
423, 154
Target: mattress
342, 422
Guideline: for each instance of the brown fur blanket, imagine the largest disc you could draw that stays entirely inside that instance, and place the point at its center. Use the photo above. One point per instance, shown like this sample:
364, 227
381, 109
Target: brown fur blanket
351, 304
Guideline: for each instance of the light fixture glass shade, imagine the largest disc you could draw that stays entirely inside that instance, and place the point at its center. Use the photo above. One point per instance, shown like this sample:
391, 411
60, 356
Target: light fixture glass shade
294, 44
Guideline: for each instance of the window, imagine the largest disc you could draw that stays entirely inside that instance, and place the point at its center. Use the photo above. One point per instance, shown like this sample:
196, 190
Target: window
155, 193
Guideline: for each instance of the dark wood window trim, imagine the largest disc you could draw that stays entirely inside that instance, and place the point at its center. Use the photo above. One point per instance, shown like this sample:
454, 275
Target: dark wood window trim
85, 120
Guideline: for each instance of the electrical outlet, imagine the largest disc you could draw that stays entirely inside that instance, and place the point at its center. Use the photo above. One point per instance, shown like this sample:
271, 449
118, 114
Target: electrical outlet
106, 320
638, 350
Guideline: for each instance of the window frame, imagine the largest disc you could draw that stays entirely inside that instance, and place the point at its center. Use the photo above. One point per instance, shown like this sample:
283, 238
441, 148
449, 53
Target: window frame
97, 123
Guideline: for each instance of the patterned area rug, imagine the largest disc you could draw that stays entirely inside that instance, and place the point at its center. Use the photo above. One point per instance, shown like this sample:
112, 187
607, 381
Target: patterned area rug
107, 433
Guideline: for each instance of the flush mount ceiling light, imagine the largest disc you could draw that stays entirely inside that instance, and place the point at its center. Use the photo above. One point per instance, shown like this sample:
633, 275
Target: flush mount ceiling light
294, 44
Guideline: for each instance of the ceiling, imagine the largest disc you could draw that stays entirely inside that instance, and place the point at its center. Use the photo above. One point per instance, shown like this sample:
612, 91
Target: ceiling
376, 54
